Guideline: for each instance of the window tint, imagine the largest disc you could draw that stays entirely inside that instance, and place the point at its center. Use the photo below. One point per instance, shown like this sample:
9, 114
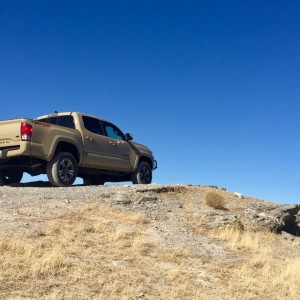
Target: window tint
92, 125
65, 121
113, 131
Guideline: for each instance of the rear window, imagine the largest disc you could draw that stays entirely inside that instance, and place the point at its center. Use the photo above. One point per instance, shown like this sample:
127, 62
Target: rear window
65, 121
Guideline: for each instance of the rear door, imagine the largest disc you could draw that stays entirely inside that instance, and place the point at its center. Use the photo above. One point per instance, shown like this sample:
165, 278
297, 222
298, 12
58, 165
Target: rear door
95, 146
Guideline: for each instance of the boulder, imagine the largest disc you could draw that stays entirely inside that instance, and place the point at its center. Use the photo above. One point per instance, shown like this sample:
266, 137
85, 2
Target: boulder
287, 218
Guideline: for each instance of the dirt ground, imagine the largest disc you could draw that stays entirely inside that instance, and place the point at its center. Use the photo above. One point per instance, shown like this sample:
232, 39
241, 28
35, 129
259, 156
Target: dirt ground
169, 229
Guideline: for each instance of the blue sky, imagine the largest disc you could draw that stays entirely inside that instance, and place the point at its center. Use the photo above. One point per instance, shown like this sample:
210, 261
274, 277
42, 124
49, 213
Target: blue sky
211, 86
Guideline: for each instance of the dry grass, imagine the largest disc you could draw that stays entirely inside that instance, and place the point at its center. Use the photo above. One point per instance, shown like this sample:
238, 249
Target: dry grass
264, 270
93, 253
215, 200
102, 253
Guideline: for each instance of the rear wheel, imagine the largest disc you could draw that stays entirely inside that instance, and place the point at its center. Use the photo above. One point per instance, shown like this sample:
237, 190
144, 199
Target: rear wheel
9, 176
143, 174
62, 169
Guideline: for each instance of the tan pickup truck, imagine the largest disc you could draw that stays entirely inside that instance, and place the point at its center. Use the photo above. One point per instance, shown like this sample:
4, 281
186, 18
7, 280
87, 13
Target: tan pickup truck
69, 145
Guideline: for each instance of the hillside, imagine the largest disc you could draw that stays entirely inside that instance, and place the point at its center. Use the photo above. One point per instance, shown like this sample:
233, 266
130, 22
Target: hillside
145, 242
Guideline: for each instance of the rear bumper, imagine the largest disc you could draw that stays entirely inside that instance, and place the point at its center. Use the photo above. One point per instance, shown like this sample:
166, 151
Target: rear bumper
15, 150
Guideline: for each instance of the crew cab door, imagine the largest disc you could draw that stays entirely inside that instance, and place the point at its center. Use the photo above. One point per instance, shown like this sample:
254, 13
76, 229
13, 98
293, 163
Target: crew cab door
95, 144
121, 152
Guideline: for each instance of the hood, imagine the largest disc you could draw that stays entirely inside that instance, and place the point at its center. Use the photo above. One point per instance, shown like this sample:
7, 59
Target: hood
142, 148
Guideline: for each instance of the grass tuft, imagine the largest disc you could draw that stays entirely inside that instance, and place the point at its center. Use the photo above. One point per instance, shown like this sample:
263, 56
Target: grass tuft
215, 200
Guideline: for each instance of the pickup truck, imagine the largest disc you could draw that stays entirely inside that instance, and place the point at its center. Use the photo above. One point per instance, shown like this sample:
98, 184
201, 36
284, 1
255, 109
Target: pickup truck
69, 145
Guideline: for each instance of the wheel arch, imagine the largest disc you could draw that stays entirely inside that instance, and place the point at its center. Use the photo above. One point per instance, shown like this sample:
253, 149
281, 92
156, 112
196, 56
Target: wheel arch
67, 147
147, 160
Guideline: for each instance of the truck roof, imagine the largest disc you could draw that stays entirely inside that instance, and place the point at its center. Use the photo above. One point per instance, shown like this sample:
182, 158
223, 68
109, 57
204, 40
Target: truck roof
56, 114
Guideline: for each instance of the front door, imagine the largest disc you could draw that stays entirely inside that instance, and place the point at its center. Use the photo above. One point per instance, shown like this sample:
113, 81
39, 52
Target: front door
119, 149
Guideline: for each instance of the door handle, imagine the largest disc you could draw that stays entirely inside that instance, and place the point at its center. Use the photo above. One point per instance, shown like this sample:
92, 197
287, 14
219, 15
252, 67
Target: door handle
89, 138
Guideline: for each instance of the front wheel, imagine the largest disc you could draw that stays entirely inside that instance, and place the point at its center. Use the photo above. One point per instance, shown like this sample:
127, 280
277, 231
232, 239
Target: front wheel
142, 174
9, 176
62, 169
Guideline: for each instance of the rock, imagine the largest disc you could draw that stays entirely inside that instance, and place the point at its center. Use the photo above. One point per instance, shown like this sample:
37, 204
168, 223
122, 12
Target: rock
140, 295
216, 187
225, 220
147, 198
213, 187
278, 219
238, 195
287, 216
288, 236
163, 189
124, 202
285, 211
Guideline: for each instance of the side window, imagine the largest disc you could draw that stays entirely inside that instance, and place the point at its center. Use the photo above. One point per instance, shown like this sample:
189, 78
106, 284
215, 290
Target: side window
113, 131
93, 125
65, 121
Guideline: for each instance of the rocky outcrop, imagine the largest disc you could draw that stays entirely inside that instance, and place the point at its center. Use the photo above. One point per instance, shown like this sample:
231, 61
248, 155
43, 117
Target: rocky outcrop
287, 217
282, 218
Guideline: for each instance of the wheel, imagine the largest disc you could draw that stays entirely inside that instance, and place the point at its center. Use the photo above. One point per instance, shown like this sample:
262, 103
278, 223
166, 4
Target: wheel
62, 169
93, 181
9, 176
143, 174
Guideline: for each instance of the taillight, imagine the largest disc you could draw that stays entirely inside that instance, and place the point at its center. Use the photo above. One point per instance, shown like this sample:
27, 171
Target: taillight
26, 132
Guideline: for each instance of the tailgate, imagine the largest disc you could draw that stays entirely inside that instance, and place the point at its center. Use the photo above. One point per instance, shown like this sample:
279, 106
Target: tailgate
10, 139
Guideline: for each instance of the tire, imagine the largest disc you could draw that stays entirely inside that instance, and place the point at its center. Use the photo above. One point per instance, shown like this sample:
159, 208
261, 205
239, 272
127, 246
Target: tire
93, 181
9, 176
62, 169
142, 174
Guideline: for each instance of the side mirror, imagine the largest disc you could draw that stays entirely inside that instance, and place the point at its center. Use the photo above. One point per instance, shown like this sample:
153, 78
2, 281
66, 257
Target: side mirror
128, 137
